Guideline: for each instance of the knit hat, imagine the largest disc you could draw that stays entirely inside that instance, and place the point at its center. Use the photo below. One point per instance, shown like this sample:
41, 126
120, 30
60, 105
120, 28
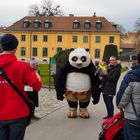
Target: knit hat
33, 63
9, 42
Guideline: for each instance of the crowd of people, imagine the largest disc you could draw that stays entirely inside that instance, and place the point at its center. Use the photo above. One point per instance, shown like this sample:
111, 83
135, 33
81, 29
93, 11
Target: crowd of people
14, 112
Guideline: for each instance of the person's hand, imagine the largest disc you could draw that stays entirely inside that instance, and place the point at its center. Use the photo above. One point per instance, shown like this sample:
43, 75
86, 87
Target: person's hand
101, 78
95, 102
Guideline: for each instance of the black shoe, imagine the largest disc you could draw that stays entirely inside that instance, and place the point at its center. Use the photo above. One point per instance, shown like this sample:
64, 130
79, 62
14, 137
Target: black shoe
35, 117
106, 117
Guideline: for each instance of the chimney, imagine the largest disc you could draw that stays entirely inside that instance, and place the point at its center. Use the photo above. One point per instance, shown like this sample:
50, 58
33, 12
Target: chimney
94, 14
71, 15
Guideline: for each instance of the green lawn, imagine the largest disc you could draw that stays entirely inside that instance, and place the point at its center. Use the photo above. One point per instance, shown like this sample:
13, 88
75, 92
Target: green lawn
44, 74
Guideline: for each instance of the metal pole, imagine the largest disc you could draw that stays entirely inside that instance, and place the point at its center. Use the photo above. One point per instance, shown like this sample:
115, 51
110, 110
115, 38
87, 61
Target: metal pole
30, 45
50, 74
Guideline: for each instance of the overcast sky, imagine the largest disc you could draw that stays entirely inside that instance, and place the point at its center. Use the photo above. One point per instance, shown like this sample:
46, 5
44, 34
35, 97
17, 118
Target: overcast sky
123, 12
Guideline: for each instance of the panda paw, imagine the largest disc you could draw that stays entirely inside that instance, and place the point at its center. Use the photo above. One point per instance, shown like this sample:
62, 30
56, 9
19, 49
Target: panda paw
61, 98
95, 102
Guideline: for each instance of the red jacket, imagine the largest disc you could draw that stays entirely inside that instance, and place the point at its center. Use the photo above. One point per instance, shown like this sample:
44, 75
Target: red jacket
12, 105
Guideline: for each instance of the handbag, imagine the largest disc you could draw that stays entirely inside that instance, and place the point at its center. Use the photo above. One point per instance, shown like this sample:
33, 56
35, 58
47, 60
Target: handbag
28, 102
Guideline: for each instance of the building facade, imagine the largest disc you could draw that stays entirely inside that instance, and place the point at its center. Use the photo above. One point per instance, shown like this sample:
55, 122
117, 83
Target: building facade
130, 44
43, 37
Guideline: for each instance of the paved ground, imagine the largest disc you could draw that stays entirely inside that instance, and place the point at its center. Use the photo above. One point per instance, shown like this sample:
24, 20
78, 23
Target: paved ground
54, 124
48, 102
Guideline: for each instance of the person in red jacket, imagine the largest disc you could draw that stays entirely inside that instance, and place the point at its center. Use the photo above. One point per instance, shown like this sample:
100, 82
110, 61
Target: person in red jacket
13, 110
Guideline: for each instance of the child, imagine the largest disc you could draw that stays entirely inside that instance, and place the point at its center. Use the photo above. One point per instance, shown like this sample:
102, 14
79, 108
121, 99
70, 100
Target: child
101, 71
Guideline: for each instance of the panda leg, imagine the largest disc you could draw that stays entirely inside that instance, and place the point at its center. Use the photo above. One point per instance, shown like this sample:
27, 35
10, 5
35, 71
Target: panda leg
83, 110
72, 109
73, 103
84, 100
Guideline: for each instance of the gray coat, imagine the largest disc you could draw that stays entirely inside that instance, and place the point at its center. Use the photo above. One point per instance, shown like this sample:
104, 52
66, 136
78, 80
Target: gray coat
130, 86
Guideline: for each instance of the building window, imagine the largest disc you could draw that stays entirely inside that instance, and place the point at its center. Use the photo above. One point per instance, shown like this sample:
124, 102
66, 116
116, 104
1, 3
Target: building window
34, 51
59, 38
23, 51
111, 39
47, 24
35, 38
45, 38
97, 53
23, 37
85, 39
76, 24
74, 39
37, 23
87, 24
98, 24
59, 49
26, 23
97, 39
44, 52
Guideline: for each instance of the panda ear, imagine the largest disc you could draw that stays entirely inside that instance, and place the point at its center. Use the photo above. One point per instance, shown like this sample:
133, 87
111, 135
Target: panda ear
72, 49
87, 49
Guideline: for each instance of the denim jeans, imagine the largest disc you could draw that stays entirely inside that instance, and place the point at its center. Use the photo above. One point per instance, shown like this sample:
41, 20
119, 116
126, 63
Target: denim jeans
132, 130
13, 129
109, 104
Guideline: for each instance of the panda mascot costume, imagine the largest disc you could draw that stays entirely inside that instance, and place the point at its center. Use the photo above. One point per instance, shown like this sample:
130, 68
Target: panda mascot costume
77, 81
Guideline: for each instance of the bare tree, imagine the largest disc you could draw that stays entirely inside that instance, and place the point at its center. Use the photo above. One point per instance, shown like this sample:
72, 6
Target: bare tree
137, 25
47, 8
137, 29
121, 28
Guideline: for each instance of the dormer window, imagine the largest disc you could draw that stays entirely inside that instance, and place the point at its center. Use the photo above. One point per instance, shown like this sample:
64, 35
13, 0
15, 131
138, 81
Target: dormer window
26, 23
47, 24
98, 24
37, 23
76, 24
87, 24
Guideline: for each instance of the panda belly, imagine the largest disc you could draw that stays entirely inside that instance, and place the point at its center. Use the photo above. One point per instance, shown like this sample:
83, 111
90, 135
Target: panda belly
78, 82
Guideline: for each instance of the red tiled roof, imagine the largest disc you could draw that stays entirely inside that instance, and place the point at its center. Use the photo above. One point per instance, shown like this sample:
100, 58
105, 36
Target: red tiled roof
132, 45
2, 29
131, 35
64, 24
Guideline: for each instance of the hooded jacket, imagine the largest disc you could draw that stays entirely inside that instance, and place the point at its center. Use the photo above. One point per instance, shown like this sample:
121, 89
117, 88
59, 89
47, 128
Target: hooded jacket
12, 105
130, 87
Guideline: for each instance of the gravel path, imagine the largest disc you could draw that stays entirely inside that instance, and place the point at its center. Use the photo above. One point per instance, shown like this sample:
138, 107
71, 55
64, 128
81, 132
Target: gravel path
48, 102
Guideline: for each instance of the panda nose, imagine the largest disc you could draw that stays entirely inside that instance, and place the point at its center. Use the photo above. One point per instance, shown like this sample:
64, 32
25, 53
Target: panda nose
79, 63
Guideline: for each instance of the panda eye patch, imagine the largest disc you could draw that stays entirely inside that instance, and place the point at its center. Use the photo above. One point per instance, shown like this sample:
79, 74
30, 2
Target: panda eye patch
74, 58
83, 58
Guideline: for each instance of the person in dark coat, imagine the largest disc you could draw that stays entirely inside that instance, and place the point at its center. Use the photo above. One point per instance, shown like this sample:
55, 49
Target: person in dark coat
109, 89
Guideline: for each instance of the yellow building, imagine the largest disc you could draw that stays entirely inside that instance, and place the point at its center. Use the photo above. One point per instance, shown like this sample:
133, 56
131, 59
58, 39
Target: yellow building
43, 37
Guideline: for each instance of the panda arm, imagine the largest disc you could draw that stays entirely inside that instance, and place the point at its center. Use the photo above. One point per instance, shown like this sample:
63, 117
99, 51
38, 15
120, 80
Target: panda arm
96, 91
60, 82
95, 82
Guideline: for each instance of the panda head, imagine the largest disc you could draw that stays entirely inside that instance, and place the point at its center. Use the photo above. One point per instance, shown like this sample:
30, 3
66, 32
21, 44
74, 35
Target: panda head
79, 58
